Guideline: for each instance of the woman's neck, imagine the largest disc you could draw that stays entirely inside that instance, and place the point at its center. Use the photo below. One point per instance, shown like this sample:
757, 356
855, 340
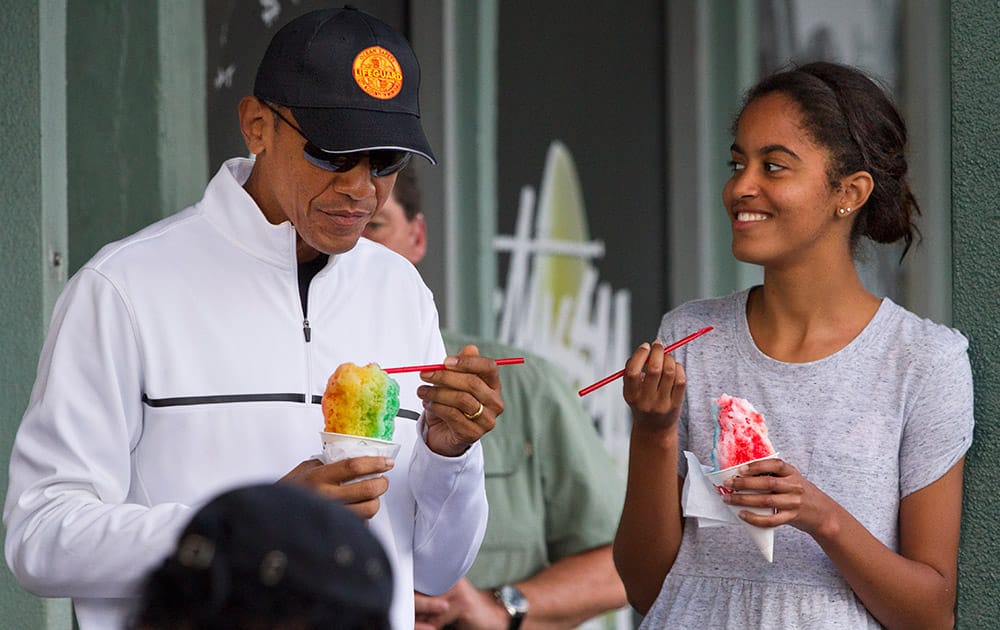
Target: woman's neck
799, 318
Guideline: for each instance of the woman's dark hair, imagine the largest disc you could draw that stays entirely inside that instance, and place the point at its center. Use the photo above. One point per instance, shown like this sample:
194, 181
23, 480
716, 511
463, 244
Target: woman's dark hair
851, 116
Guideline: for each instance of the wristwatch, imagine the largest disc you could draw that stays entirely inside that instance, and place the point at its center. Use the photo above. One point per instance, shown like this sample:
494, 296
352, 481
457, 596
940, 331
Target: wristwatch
514, 602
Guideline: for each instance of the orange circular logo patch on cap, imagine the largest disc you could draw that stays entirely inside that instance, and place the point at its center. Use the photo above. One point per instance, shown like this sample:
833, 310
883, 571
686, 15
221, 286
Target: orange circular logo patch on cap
377, 72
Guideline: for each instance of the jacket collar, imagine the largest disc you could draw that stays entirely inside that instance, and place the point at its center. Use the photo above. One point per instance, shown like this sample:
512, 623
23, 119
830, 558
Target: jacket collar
232, 211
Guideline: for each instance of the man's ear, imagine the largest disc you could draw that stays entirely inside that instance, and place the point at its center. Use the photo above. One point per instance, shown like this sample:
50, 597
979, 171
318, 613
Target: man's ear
855, 189
255, 121
418, 238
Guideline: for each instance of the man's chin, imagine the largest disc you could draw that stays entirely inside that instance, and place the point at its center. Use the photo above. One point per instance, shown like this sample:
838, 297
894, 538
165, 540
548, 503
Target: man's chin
307, 251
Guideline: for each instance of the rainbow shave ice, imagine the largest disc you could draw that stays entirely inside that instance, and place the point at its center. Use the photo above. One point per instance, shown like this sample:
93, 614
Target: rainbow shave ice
361, 401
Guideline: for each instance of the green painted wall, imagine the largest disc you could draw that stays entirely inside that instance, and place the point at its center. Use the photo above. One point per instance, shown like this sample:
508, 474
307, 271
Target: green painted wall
104, 132
20, 244
137, 142
975, 69
469, 157
32, 235
113, 186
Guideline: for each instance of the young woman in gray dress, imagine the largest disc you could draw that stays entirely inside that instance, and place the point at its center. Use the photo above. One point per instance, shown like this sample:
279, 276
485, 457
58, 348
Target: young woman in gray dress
869, 405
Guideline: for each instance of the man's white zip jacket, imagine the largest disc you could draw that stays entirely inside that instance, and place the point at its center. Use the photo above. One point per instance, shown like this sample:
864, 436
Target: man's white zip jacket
179, 364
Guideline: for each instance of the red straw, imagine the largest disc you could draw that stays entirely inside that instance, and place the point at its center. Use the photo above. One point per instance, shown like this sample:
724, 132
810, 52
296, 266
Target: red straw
440, 366
677, 344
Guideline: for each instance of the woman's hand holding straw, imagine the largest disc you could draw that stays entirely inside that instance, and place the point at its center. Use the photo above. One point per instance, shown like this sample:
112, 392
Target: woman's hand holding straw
677, 344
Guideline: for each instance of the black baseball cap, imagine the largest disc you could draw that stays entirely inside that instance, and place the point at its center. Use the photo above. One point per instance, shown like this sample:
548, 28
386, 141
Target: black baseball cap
271, 553
351, 81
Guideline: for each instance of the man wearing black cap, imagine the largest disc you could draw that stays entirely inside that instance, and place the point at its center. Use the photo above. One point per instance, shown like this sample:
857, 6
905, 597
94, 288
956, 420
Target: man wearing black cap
191, 357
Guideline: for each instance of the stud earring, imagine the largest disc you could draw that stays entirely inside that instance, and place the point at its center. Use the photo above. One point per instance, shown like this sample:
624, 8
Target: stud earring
844, 211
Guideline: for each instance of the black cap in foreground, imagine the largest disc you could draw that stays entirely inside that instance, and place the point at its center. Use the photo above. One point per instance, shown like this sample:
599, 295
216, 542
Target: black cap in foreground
351, 81
271, 554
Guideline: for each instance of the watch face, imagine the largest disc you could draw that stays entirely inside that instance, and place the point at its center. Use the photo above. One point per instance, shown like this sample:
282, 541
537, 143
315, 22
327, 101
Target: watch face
514, 600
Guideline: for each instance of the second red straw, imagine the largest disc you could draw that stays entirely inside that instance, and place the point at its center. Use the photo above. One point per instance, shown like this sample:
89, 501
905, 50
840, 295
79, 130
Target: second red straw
677, 344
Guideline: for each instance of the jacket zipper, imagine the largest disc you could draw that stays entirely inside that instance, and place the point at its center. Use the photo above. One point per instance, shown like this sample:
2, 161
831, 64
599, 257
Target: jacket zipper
306, 328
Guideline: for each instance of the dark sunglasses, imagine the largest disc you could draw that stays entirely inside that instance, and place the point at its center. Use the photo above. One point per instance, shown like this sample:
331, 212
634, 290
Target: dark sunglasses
382, 162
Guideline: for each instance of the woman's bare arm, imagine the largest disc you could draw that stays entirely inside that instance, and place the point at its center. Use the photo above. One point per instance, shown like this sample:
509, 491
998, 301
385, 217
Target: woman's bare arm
649, 532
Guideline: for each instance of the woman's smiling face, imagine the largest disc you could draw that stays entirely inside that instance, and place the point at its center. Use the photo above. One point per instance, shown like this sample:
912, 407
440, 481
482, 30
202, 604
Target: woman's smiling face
779, 197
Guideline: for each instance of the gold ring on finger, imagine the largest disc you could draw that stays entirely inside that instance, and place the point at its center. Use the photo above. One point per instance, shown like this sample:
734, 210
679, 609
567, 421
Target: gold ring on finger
473, 416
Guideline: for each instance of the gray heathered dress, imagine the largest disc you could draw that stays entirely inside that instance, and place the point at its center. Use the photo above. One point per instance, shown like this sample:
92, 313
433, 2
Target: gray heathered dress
882, 418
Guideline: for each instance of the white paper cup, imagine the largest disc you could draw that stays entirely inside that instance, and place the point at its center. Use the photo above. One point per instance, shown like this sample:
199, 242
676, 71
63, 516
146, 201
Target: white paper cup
338, 446
763, 537
718, 476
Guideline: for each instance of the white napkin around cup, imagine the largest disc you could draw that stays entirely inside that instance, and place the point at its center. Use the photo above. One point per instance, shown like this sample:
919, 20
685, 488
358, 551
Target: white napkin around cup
702, 500
338, 446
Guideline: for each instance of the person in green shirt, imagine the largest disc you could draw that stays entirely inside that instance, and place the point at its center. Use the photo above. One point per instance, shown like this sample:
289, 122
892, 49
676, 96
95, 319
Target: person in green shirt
555, 494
